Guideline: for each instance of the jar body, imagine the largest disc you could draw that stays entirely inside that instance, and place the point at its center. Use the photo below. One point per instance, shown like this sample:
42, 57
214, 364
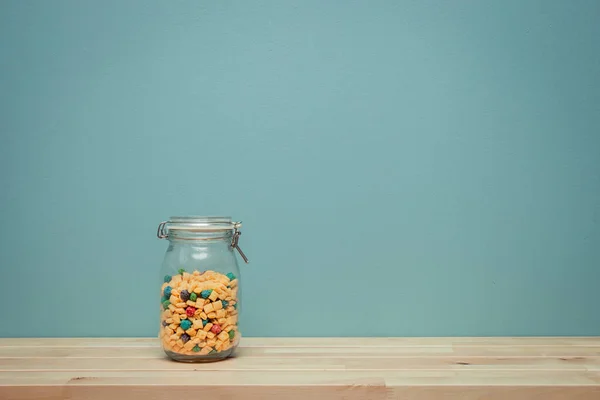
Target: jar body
199, 298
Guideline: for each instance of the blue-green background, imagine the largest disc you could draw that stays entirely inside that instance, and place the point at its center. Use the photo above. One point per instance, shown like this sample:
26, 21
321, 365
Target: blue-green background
401, 167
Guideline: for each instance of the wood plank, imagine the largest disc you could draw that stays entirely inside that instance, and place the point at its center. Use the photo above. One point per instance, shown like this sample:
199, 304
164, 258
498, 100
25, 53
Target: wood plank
367, 390
321, 342
312, 352
302, 364
233, 378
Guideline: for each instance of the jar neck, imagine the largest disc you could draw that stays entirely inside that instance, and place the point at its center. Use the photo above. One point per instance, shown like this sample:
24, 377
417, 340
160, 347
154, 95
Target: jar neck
180, 235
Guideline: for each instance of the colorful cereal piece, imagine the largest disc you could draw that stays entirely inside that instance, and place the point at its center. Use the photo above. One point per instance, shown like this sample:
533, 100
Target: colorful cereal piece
190, 311
185, 295
193, 296
206, 293
196, 349
204, 322
231, 334
167, 278
225, 303
185, 337
231, 276
167, 291
181, 271
186, 324
216, 329
166, 304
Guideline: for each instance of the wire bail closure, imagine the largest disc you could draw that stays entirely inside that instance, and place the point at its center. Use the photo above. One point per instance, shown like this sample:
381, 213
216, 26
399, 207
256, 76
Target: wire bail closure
235, 240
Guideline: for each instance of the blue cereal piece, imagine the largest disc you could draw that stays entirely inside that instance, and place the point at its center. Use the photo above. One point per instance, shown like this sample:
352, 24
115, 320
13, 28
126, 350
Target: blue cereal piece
231, 276
186, 324
204, 322
206, 293
167, 291
167, 278
225, 303
235, 306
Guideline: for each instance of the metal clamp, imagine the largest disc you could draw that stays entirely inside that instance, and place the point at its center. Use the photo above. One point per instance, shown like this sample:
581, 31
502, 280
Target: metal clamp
162, 233
235, 240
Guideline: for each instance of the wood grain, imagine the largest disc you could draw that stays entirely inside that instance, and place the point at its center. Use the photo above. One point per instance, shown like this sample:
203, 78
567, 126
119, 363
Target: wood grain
299, 368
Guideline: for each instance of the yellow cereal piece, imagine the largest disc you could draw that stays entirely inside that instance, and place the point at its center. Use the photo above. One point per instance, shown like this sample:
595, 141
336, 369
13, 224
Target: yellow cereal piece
212, 315
222, 321
176, 279
181, 304
176, 319
180, 310
173, 326
169, 320
197, 290
211, 342
223, 336
207, 327
168, 331
221, 313
217, 305
196, 272
172, 308
191, 332
226, 346
167, 314
203, 315
179, 330
218, 345
210, 335
173, 338
205, 350
228, 328
189, 345
197, 324
199, 303
191, 303
208, 308
201, 334
213, 296
233, 283
186, 276
174, 299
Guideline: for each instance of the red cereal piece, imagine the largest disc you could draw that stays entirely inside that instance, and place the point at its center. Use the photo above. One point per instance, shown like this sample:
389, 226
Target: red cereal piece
216, 329
190, 311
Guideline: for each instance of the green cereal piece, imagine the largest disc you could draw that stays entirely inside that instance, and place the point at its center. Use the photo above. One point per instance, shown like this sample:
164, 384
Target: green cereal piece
213, 351
196, 349
181, 271
231, 334
166, 304
193, 296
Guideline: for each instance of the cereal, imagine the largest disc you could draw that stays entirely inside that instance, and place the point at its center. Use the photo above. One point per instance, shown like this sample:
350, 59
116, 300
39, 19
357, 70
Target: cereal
200, 313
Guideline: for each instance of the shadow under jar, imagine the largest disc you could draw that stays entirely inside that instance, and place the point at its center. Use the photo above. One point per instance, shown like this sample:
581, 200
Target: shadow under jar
200, 290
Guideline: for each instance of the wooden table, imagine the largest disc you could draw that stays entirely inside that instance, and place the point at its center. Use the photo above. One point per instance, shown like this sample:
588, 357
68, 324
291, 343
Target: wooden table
307, 369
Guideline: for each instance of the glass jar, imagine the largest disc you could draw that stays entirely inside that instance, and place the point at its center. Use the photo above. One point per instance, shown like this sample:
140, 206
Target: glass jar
200, 288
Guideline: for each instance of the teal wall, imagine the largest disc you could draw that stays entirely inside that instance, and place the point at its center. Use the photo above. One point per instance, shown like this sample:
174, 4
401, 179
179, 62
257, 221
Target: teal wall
402, 167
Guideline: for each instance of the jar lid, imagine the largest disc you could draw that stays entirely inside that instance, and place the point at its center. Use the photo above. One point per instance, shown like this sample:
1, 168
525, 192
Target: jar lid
202, 224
